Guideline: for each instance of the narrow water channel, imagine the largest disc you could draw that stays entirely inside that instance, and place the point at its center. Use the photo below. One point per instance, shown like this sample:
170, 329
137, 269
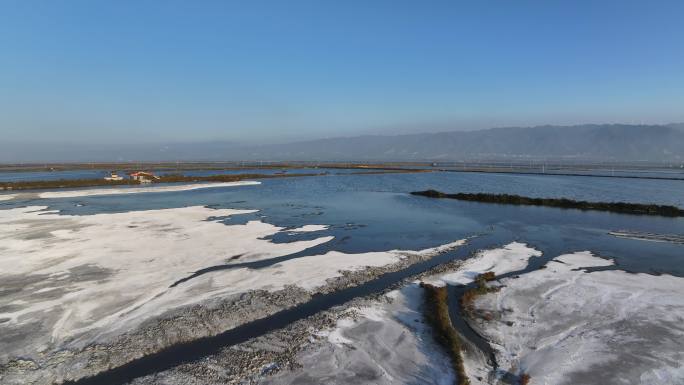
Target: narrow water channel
194, 350
203, 347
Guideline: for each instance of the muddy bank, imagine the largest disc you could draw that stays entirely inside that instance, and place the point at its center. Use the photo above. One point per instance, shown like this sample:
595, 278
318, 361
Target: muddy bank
340, 345
382, 338
334, 346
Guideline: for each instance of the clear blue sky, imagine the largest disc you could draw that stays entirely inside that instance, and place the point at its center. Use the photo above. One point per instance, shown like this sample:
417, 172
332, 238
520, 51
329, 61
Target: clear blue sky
279, 70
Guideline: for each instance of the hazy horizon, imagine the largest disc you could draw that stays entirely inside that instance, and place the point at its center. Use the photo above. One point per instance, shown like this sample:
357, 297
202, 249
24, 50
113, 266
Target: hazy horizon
387, 132
589, 142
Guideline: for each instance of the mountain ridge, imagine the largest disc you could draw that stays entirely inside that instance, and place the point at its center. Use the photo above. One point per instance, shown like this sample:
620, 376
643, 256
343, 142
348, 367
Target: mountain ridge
589, 142
592, 142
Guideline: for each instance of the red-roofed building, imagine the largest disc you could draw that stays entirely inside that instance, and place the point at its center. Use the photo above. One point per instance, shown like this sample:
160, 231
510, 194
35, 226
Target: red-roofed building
142, 176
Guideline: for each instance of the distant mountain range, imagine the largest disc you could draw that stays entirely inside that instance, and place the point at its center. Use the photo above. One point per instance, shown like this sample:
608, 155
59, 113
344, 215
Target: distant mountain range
594, 142
585, 142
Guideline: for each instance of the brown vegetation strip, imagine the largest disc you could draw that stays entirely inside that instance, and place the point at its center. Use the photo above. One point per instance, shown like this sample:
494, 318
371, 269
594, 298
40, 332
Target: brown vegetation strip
525, 379
437, 315
177, 178
480, 288
174, 178
618, 207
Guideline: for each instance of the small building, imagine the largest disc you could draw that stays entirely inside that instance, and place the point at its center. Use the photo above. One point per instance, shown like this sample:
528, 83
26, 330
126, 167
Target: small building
113, 176
143, 177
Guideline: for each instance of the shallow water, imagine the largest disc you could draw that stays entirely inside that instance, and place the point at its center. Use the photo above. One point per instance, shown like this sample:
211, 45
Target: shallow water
26, 176
376, 213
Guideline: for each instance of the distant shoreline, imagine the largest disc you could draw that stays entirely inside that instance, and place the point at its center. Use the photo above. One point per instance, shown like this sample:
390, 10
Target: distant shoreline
361, 168
518, 172
167, 179
588, 169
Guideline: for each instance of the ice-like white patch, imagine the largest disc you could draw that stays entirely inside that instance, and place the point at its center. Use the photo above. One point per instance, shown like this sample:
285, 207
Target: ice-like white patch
99, 275
6, 197
432, 251
410, 300
138, 190
567, 325
46, 289
308, 272
579, 260
373, 313
313, 273
387, 342
512, 257
116, 269
309, 228
335, 336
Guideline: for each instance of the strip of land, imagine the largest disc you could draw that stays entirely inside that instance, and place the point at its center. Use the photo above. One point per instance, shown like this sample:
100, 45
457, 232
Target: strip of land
437, 314
138, 190
618, 207
173, 178
207, 166
673, 238
586, 169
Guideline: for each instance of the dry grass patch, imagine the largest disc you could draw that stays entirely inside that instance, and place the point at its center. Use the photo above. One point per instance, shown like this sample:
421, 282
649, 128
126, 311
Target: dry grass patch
437, 314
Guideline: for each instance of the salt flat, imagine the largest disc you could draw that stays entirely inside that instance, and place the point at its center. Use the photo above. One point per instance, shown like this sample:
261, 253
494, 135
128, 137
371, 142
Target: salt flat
566, 325
511, 257
562, 324
72, 276
69, 281
386, 342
